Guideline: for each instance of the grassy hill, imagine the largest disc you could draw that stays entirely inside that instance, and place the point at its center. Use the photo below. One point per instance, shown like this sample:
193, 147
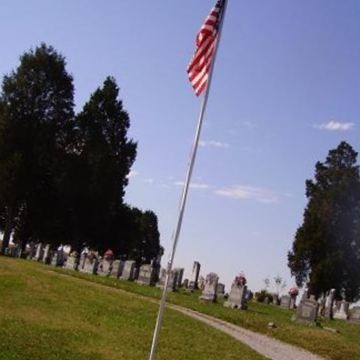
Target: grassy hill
343, 345
45, 315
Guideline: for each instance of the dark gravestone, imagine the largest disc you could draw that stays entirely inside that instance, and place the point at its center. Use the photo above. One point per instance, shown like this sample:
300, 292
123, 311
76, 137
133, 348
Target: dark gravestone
220, 290
193, 284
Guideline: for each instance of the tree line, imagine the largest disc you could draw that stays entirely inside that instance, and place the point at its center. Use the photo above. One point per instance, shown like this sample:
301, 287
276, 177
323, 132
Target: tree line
63, 175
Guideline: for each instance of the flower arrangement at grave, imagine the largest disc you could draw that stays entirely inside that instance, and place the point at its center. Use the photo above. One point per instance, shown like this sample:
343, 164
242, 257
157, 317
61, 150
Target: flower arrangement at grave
294, 291
240, 280
109, 255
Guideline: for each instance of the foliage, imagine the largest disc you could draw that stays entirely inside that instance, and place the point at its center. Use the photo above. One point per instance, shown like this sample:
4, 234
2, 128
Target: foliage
326, 249
260, 296
63, 177
35, 114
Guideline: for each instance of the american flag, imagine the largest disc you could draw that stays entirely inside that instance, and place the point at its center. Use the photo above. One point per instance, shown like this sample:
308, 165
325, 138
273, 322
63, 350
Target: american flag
200, 64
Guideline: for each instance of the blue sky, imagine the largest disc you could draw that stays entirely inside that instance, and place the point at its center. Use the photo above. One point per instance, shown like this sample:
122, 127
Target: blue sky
286, 89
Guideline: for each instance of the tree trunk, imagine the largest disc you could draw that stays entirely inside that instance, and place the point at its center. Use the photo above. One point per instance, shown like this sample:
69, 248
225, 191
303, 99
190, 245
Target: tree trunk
9, 223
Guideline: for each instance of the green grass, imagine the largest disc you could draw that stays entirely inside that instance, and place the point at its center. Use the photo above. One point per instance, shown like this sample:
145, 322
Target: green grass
336, 346
46, 315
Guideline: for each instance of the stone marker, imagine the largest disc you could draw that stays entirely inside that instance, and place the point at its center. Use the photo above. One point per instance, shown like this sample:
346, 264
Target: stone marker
70, 262
89, 264
129, 270
220, 290
237, 296
46, 255
172, 284
209, 292
342, 313
147, 275
105, 267
275, 299
329, 304
39, 252
193, 284
201, 283
307, 311
354, 314
179, 276
285, 301
185, 284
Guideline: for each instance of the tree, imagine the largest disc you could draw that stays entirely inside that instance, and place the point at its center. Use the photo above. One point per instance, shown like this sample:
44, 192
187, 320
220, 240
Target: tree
326, 248
36, 118
100, 163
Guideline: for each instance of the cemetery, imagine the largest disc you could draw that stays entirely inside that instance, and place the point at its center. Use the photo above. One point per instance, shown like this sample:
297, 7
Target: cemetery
283, 319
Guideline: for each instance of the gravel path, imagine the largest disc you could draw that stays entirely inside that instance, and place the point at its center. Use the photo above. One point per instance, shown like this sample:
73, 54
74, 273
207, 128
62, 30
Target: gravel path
270, 348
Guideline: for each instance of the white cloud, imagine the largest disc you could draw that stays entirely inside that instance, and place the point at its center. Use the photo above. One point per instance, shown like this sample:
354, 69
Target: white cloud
245, 192
248, 124
149, 181
199, 186
335, 126
132, 173
213, 143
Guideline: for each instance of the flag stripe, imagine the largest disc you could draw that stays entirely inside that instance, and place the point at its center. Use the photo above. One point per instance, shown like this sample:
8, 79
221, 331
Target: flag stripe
200, 64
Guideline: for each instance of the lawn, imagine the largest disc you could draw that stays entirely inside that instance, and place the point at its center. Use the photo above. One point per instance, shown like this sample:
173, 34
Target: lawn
345, 344
46, 315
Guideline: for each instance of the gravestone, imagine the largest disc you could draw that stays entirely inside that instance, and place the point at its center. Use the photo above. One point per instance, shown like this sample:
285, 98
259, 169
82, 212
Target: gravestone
54, 259
46, 255
172, 284
147, 275
70, 262
128, 272
193, 284
267, 300
329, 304
179, 276
237, 297
201, 283
354, 314
209, 292
220, 290
105, 267
275, 299
285, 302
292, 302
342, 313
307, 311
89, 264
322, 303
185, 284
38, 252
118, 268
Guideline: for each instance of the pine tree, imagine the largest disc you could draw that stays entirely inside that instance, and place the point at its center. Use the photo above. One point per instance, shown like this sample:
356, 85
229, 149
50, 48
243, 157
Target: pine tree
36, 116
326, 248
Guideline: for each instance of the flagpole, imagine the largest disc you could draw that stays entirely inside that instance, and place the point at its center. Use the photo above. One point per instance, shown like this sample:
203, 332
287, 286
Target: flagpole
184, 195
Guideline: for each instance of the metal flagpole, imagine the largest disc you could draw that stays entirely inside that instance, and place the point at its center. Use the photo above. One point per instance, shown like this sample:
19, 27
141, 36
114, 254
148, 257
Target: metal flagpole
176, 234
